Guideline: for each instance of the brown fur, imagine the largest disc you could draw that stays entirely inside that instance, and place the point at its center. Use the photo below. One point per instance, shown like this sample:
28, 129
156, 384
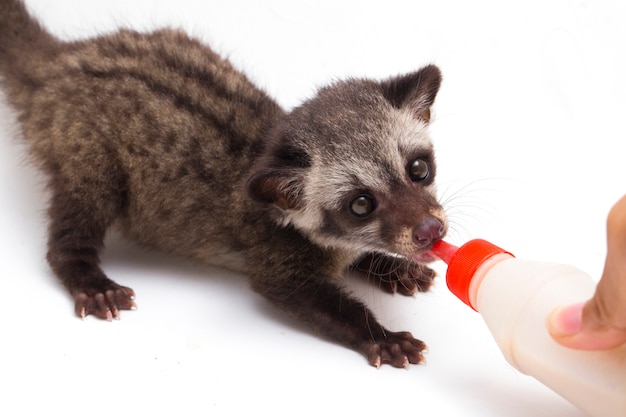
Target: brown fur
158, 136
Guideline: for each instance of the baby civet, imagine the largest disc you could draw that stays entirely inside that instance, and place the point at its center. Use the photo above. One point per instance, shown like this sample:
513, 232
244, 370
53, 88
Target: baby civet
157, 136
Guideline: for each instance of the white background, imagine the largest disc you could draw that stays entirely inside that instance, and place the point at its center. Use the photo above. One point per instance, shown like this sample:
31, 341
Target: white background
529, 129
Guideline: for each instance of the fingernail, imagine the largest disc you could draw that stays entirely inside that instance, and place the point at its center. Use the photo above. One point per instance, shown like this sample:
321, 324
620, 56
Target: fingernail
566, 320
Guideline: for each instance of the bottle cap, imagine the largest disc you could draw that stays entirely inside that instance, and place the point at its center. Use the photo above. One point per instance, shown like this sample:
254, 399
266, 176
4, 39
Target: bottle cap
463, 263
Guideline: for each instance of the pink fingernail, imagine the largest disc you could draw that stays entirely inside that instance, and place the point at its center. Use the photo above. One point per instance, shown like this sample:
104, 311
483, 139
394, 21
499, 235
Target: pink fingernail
567, 320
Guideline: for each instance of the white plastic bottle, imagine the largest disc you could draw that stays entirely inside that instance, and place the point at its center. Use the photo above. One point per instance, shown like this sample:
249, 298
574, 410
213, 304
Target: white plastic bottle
515, 298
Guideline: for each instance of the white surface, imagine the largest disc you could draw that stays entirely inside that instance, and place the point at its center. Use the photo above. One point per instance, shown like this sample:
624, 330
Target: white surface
530, 135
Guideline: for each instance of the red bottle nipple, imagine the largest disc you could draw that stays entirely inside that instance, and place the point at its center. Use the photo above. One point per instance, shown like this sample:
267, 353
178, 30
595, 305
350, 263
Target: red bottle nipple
463, 263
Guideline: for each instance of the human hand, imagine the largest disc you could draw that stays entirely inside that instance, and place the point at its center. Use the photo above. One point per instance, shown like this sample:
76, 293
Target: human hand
599, 323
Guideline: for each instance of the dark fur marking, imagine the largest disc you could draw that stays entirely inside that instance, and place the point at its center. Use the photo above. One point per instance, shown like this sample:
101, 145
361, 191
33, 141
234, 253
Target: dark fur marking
330, 225
179, 100
289, 154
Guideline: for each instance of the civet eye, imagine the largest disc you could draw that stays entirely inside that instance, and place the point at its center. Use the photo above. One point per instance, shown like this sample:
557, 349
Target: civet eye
419, 170
363, 205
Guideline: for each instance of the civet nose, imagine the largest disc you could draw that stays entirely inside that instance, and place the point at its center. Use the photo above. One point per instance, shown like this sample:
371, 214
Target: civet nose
428, 232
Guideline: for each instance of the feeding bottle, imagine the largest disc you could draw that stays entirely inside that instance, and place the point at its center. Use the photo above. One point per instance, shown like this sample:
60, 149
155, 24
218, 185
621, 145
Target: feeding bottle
515, 298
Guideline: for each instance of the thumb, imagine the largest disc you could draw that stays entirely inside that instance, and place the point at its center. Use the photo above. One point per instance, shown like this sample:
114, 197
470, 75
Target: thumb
565, 321
575, 326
